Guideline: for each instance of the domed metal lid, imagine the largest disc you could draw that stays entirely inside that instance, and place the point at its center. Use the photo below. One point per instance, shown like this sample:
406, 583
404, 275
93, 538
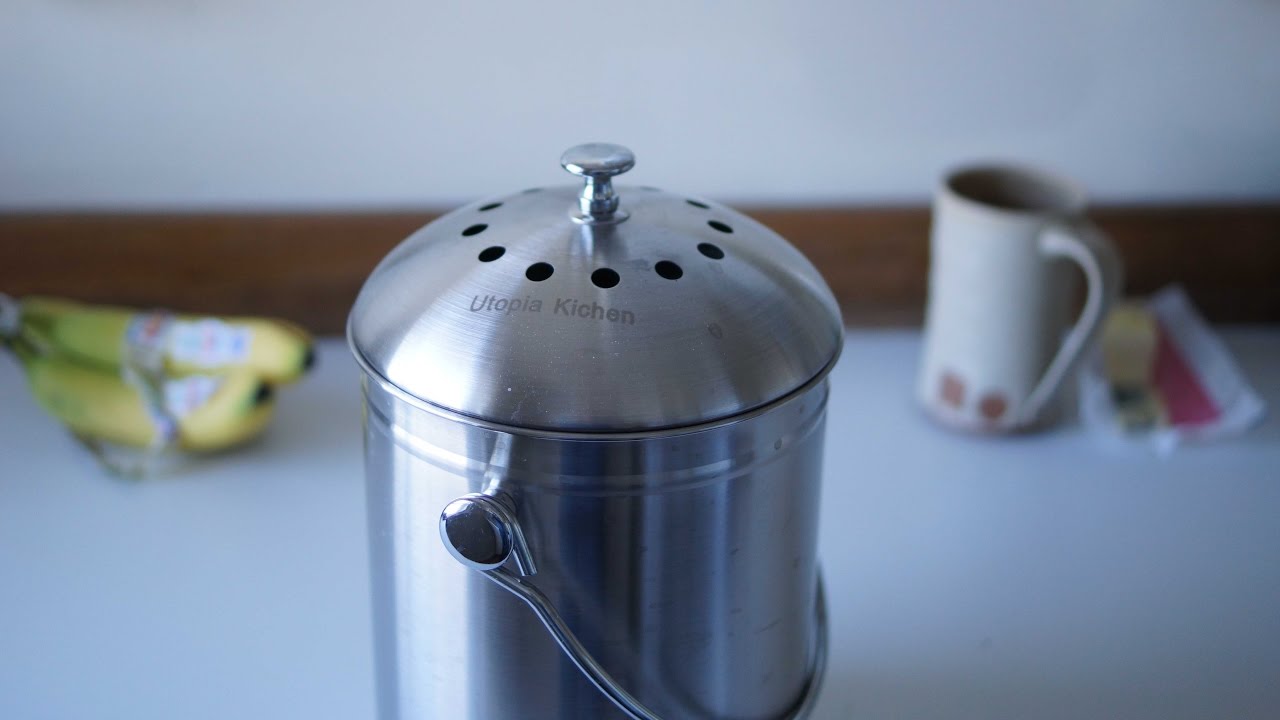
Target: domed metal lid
585, 310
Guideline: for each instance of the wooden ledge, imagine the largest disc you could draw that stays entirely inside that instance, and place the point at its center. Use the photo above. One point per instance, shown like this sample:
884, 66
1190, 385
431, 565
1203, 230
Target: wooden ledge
309, 266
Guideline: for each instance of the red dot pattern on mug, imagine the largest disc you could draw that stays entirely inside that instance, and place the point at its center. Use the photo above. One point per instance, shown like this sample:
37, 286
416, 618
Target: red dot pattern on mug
952, 390
992, 406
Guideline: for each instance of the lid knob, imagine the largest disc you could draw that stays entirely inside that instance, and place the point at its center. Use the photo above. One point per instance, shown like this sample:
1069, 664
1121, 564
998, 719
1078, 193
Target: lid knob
597, 163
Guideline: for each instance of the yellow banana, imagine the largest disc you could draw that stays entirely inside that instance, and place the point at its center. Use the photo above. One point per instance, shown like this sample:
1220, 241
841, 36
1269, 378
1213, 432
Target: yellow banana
210, 412
237, 411
276, 350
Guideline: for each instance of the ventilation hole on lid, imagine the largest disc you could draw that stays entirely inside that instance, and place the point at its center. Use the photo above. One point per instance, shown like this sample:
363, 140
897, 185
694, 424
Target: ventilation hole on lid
605, 278
490, 254
474, 230
530, 190
697, 204
490, 206
539, 271
712, 251
649, 188
668, 270
720, 226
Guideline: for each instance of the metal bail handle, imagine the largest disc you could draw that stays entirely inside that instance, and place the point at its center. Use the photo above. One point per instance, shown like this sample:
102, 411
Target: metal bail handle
597, 163
481, 532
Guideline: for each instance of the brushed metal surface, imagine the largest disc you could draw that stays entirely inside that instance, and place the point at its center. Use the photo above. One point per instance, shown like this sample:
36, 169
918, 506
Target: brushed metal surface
746, 322
684, 562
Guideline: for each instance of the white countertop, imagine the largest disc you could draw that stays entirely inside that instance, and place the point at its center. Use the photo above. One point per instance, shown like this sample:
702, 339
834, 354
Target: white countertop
1046, 576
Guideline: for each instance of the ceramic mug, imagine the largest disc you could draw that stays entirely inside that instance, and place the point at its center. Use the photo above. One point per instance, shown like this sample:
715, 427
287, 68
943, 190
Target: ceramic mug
1003, 241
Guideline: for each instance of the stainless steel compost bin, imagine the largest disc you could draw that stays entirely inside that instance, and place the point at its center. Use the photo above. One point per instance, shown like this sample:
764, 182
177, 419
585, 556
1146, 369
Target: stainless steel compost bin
593, 428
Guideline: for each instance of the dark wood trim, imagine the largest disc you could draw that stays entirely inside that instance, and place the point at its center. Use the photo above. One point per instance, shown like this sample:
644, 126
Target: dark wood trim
308, 266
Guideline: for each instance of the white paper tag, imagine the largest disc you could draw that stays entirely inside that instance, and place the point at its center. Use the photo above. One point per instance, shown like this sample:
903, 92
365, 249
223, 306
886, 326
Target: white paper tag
208, 343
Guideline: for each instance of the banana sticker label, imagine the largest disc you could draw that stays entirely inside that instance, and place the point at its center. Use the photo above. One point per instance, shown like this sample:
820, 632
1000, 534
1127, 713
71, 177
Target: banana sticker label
184, 396
146, 331
208, 343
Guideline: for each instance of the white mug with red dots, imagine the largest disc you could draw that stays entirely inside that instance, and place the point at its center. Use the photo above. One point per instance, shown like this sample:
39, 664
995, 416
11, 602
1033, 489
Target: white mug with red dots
997, 347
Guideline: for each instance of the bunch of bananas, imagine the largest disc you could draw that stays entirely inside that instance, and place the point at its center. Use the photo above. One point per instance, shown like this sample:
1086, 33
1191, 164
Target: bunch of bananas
153, 379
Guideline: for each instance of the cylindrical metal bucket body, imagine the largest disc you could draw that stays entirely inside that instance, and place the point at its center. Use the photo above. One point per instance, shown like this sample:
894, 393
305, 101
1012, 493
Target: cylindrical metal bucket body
594, 439
684, 560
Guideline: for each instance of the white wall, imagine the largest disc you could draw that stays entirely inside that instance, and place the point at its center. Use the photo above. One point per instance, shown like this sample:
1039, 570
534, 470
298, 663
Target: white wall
288, 103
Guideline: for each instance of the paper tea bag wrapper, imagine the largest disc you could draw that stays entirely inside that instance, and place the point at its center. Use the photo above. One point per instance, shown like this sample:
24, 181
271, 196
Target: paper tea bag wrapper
1161, 375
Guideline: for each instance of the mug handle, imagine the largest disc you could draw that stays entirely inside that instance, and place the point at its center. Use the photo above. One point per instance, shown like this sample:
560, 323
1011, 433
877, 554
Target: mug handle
1084, 244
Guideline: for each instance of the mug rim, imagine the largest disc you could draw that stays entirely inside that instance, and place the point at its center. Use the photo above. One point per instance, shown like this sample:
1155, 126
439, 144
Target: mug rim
1069, 197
